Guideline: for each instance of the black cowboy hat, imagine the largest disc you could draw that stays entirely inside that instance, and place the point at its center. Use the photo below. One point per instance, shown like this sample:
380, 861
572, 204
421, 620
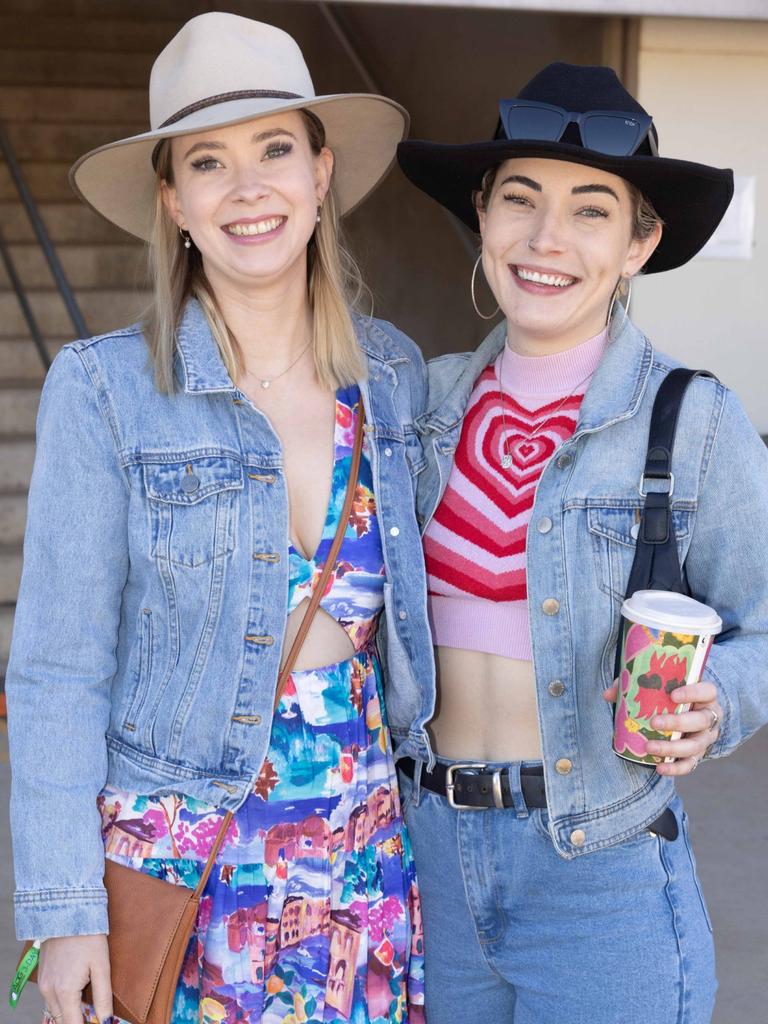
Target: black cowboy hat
690, 198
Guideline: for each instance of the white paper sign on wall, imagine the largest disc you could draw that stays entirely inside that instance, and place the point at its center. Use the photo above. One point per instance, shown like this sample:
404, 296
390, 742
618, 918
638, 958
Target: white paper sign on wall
734, 238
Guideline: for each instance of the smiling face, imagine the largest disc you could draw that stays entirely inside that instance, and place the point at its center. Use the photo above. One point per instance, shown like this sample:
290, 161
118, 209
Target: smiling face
557, 237
248, 196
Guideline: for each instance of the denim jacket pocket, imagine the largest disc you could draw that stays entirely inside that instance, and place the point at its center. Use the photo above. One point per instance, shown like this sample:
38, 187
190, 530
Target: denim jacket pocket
192, 508
613, 530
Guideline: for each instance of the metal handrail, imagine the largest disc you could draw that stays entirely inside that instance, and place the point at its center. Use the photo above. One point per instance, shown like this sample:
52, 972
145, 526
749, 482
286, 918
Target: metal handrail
44, 240
26, 309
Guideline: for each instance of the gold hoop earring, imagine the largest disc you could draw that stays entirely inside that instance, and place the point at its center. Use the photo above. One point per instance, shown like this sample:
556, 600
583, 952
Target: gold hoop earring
482, 316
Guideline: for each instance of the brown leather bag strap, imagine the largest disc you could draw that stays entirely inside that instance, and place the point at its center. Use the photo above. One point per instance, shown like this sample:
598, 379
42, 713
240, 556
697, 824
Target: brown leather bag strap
330, 561
314, 604
226, 821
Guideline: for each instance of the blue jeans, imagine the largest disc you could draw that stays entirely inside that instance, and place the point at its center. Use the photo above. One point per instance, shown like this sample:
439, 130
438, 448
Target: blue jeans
515, 934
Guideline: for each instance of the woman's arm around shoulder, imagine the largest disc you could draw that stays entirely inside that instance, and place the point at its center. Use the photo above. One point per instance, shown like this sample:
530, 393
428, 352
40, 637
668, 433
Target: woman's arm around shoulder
63, 652
727, 568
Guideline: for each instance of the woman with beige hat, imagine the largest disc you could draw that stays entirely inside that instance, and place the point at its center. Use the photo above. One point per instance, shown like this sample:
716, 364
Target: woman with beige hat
212, 538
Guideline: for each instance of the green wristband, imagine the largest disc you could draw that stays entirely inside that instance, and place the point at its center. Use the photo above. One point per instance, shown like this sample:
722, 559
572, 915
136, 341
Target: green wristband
23, 973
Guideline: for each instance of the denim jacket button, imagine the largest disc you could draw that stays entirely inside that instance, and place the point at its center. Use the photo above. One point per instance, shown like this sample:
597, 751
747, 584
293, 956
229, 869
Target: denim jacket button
564, 461
551, 606
578, 837
556, 688
402, 615
395, 531
563, 766
387, 452
544, 525
190, 483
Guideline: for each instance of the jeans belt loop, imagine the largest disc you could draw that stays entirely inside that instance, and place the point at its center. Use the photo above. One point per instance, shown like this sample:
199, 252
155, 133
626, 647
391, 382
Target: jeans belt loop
515, 788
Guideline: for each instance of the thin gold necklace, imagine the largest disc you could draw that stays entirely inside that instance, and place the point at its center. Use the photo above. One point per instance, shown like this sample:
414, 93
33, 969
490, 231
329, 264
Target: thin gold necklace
506, 458
267, 382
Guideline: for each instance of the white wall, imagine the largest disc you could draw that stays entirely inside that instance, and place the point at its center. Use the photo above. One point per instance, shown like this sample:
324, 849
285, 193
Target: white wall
706, 84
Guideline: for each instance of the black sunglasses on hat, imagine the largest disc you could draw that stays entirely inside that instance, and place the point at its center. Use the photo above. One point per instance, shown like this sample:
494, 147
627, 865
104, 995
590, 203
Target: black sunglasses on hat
614, 132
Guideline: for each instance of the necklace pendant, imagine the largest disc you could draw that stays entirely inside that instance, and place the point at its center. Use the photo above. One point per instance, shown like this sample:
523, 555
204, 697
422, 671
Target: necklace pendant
265, 384
506, 460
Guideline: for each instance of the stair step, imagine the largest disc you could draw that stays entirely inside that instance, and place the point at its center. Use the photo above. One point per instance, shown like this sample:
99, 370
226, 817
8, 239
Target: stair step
47, 31
10, 572
27, 103
20, 359
6, 625
85, 266
68, 140
103, 310
66, 222
16, 458
13, 517
74, 67
46, 180
18, 411
140, 10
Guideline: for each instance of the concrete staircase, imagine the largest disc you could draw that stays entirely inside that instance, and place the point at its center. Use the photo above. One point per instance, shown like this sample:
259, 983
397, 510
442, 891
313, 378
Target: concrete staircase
73, 75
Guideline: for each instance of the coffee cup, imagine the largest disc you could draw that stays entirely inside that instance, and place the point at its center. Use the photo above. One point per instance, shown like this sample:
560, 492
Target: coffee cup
665, 639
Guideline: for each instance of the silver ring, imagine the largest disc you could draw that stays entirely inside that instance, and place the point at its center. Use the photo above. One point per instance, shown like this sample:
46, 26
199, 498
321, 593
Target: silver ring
715, 718
695, 765
48, 1016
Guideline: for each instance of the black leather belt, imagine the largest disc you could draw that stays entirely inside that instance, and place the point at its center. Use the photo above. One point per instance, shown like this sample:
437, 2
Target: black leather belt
471, 785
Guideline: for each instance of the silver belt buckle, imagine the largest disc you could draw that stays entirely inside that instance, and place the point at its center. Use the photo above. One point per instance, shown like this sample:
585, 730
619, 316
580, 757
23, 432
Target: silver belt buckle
461, 766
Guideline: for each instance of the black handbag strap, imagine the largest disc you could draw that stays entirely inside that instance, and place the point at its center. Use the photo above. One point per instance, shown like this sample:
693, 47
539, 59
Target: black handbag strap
656, 565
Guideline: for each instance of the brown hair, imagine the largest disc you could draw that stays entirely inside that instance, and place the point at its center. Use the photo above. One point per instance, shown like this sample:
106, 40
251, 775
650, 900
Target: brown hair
333, 279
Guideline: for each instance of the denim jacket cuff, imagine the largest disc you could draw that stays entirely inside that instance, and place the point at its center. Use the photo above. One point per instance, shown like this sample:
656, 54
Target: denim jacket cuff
49, 913
721, 747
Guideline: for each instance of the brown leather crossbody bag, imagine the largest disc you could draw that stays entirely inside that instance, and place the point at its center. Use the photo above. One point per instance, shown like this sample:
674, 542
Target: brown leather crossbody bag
151, 921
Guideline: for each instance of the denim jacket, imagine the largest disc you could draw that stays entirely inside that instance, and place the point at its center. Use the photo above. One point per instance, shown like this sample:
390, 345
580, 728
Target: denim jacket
152, 607
580, 548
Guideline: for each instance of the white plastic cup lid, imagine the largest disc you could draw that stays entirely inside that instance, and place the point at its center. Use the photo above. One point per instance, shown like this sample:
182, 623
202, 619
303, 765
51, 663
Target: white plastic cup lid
663, 609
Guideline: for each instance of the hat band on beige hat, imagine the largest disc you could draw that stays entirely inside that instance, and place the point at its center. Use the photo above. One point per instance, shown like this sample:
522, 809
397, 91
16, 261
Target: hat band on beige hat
240, 94
220, 70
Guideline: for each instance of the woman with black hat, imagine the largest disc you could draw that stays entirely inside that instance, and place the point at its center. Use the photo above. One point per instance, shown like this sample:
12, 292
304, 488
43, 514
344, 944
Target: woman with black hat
557, 879
221, 504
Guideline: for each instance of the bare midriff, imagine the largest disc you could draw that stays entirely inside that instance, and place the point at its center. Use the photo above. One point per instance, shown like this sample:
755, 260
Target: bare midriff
470, 684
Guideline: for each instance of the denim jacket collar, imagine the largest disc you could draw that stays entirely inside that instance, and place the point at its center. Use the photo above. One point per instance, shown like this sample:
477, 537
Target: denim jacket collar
199, 363
201, 369
614, 392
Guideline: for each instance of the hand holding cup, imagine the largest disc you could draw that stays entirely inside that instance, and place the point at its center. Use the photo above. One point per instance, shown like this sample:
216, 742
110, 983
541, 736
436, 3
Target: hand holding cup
698, 727
664, 716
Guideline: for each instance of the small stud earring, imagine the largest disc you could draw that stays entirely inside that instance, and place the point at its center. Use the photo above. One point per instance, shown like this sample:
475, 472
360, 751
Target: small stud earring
187, 239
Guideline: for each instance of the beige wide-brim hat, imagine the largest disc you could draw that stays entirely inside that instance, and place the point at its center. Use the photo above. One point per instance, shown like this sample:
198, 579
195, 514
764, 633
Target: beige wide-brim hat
221, 69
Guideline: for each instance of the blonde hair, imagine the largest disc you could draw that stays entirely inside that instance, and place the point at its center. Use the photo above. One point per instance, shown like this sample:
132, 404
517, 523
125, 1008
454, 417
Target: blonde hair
334, 285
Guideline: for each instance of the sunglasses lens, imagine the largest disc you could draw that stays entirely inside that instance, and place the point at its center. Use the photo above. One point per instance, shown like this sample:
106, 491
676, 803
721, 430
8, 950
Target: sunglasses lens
533, 123
611, 134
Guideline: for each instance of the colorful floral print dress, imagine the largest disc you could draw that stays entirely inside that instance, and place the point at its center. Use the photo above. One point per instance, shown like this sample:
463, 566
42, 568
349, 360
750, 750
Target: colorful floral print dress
312, 911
